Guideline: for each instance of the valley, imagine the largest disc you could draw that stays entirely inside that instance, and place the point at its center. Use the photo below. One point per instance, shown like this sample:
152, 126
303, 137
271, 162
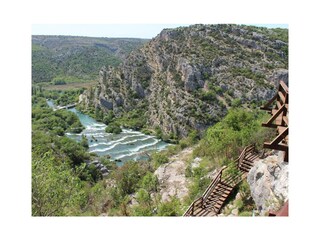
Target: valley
159, 116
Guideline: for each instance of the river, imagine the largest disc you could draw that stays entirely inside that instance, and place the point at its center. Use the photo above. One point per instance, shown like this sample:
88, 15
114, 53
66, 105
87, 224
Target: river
128, 145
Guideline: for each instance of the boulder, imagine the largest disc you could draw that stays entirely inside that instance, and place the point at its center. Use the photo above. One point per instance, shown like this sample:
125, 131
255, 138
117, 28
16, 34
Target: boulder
268, 180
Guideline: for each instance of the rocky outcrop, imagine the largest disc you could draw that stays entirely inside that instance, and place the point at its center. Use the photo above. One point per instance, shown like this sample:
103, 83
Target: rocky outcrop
100, 167
172, 178
187, 78
268, 180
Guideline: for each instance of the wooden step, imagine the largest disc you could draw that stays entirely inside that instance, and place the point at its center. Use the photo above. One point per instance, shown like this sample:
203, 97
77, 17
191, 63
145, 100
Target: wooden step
214, 202
246, 165
244, 170
224, 186
220, 194
230, 180
214, 197
251, 157
247, 162
197, 211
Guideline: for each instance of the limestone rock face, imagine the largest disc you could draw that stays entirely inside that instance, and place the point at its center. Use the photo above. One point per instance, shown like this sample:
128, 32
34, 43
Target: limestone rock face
186, 78
268, 180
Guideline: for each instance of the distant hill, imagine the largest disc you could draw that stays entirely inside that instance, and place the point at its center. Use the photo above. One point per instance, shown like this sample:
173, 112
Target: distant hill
72, 59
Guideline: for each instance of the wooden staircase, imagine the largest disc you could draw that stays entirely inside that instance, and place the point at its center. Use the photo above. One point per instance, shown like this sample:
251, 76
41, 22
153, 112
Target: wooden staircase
215, 196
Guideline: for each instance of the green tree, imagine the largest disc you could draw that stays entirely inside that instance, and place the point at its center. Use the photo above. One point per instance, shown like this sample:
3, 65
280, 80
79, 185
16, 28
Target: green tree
56, 189
170, 208
149, 182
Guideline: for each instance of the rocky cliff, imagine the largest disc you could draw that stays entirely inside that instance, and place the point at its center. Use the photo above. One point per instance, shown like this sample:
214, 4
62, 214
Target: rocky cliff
269, 181
186, 78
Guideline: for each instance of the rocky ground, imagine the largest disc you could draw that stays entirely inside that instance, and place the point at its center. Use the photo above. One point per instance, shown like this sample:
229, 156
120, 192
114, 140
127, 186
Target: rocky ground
172, 177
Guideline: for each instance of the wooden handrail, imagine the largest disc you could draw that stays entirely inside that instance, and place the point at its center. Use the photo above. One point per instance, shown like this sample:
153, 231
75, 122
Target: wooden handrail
190, 210
284, 86
214, 182
206, 193
243, 154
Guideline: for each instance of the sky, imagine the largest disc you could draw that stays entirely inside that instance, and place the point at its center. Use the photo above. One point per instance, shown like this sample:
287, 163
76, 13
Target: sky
113, 30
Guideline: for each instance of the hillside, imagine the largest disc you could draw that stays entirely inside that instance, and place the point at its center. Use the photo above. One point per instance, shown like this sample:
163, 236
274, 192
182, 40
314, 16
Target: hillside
187, 78
69, 58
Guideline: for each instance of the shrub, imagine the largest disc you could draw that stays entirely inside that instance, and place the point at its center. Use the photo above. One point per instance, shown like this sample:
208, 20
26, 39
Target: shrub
113, 128
158, 159
170, 208
149, 182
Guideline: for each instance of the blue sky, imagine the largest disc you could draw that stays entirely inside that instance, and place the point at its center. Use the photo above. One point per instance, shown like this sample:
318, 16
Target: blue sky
112, 30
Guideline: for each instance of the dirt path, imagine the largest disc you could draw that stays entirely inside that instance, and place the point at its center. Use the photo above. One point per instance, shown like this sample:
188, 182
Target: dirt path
172, 177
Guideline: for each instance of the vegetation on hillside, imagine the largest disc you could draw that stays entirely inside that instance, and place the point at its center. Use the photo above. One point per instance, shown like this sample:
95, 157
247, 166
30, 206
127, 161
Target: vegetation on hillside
65, 59
211, 113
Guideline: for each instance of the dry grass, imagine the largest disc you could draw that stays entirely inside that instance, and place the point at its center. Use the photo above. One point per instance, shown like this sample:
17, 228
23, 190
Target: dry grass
71, 86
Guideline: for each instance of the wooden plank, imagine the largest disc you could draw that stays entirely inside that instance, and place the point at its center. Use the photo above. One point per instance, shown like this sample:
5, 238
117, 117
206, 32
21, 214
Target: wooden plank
266, 106
286, 120
282, 97
280, 147
276, 113
278, 104
284, 86
280, 129
280, 137
270, 125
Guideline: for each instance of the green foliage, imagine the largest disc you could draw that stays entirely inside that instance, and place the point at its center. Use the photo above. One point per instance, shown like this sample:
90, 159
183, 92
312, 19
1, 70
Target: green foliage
56, 189
149, 182
208, 96
128, 177
59, 82
192, 139
76, 58
44, 118
248, 73
113, 128
84, 142
236, 103
226, 139
245, 214
108, 118
159, 158
134, 119
197, 188
170, 208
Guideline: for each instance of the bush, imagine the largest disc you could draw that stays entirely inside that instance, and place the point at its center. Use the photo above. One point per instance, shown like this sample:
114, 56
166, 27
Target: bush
158, 159
113, 128
171, 208
56, 190
227, 138
59, 82
245, 214
149, 182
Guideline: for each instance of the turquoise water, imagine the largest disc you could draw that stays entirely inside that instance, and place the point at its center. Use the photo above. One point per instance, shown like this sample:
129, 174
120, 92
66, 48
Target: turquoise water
128, 145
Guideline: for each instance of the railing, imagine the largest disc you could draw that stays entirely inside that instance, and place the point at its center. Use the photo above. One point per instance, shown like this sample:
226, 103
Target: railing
199, 203
214, 182
196, 204
244, 152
